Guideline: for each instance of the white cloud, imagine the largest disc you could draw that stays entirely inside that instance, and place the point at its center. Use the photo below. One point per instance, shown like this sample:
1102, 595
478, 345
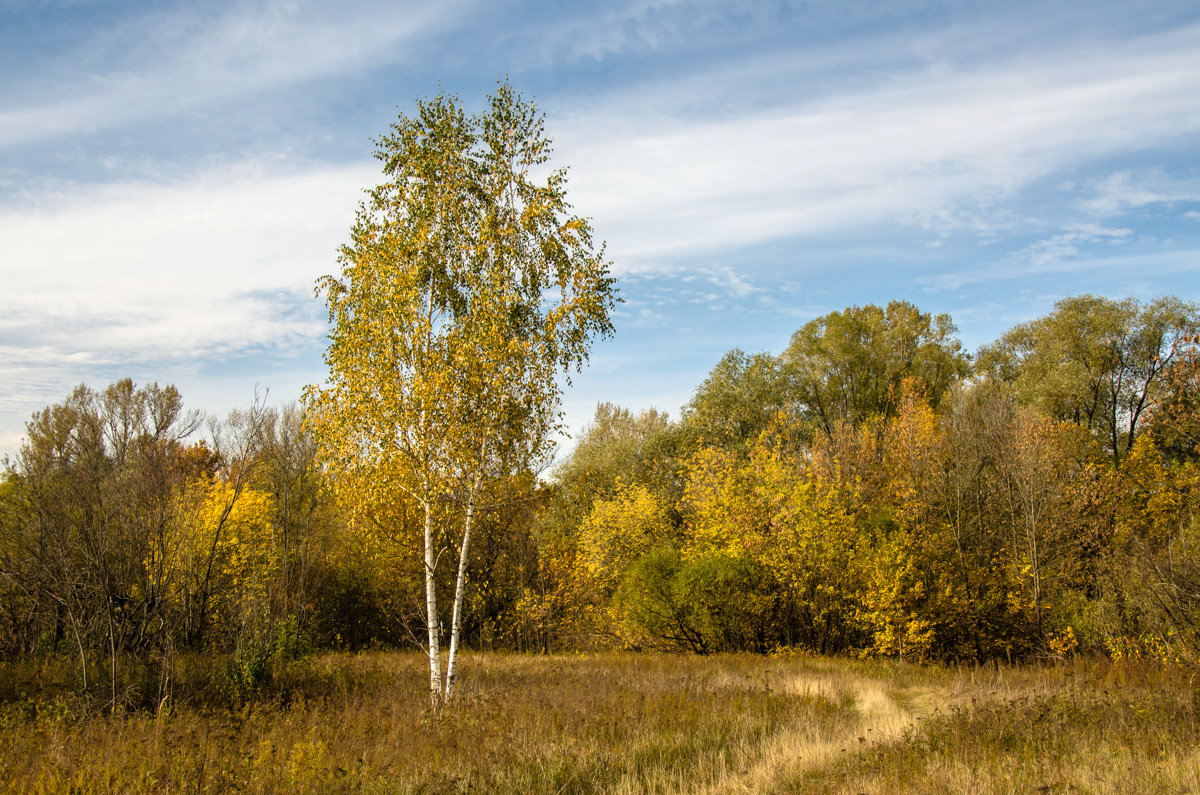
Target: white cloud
606, 30
221, 264
1092, 232
1066, 244
784, 145
664, 184
1035, 262
165, 281
1122, 191
165, 64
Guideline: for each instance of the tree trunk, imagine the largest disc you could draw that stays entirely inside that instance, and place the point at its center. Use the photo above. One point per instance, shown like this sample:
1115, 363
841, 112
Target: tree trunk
459, 589
431, 615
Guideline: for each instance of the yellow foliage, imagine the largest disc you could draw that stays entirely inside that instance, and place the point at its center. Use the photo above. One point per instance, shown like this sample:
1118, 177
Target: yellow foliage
895, 601
1063, 644
1161, 496
234, 530
762, 507
618, 531
1146, 646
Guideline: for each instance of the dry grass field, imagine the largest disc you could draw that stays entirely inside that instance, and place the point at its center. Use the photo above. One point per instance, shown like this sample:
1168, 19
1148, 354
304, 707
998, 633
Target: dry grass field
619, 723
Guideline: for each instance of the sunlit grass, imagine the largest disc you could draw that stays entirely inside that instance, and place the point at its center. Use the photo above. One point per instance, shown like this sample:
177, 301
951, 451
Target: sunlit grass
1084, 728
621, 723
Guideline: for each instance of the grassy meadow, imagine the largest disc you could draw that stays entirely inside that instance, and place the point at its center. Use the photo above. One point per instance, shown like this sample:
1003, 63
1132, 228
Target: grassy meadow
619, 723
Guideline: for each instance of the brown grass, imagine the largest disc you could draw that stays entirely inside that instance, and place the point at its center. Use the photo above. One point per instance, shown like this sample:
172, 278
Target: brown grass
1081, 728
626, 723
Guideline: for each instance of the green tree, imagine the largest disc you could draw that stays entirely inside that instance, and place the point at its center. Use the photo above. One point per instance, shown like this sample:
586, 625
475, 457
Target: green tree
468, 288
849, 365
736, 402
1095, 361
705, 603
618, 446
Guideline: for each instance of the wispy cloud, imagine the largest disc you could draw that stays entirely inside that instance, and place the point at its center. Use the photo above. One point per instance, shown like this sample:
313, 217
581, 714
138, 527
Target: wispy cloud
168, 280
212, 266
171, 62
1036, 263
1123, 190
919, 144
713, 144
614, 28
1066, 244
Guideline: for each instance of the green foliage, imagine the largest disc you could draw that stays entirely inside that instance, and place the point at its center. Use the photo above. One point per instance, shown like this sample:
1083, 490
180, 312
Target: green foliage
966, 520
849, 366
618, 446
711, 602
247, 671
1095, 361
736, 402
727, 601
934, 518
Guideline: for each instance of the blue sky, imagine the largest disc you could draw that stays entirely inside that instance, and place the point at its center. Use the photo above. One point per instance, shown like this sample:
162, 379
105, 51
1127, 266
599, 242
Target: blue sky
174, 176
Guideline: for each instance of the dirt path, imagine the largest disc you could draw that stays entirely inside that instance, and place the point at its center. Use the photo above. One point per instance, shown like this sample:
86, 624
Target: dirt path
788, 753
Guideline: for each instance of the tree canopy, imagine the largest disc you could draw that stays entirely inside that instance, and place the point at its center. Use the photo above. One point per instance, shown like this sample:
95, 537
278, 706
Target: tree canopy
1095, 361
849, 366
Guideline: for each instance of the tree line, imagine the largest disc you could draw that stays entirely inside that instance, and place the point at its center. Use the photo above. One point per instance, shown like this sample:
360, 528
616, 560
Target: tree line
870, 490
875, 490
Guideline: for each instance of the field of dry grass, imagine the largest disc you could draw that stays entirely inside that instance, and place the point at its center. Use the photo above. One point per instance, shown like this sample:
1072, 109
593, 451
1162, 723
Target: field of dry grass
622, 723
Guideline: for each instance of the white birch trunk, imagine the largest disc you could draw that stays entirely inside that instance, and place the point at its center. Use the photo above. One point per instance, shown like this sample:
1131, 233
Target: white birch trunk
431, 615
459, 589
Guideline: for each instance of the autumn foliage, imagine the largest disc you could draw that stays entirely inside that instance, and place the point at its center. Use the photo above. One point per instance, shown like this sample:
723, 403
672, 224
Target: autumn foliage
973, 518
870, 492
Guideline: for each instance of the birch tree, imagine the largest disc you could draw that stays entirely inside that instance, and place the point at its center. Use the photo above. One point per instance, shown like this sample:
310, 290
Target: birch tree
468, 288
